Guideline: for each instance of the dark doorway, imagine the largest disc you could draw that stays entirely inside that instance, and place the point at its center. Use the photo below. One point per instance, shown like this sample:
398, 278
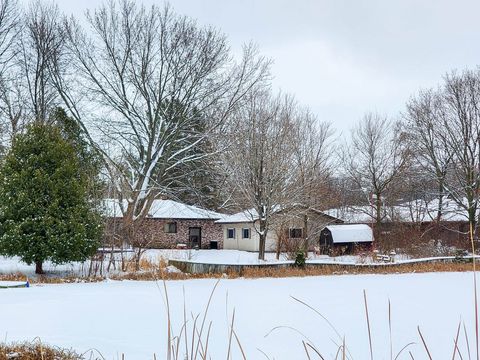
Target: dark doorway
325, 242
195, 237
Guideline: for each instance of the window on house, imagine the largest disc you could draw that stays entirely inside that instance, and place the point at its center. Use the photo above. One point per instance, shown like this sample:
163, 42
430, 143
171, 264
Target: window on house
230, 233
246, 233
171, 227
296, 233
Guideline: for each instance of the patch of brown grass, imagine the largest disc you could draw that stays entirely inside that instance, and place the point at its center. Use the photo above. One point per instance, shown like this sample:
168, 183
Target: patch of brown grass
17, 276
164, 275
36, 351
144, 265
259, 272
46, 279
316, 270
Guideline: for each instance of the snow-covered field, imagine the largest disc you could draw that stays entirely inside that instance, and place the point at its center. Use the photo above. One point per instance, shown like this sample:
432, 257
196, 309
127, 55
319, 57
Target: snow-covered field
129, 317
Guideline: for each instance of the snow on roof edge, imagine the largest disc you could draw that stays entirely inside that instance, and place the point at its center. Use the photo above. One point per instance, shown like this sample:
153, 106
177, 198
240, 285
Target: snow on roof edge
166, 209
350, 233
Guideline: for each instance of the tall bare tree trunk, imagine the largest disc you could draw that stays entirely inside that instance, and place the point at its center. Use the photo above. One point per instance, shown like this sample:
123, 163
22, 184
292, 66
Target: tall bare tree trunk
378, 209
441, 191
128, 231
262, 242
305, 234
128, 237
472, 223
279, 244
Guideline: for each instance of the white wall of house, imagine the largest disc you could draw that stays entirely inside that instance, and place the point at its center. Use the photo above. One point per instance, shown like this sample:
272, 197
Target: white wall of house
290, 226
238, 242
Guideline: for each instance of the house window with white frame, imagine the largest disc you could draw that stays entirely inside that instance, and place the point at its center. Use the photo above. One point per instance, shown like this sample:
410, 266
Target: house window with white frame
231, 233
246, 233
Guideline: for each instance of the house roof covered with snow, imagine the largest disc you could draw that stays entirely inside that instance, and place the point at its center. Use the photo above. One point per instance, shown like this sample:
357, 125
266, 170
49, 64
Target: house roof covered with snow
251, 215
246, 216
166, 209
411, 211
350, 233
352, 214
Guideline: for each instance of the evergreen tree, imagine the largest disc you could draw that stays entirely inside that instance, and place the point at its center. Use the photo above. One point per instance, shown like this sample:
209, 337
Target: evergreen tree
195, 180
45, 212
90, 160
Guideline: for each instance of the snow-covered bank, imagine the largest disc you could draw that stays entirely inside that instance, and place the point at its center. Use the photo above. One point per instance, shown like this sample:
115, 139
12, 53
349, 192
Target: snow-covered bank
12, 265
15, 265
237, 257
130, 317
228, 257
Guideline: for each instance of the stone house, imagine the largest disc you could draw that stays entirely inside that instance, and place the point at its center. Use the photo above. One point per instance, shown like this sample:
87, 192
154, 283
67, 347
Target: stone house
169, 225
288, 228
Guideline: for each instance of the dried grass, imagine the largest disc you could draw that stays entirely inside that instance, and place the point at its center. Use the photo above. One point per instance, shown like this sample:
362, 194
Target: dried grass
45, 279
353, 270
281, 272
35, 351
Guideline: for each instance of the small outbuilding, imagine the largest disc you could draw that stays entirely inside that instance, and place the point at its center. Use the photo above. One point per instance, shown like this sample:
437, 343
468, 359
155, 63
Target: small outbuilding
345, 238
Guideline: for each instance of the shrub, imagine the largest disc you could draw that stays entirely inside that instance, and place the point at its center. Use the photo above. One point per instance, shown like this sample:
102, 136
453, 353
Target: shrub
300, 259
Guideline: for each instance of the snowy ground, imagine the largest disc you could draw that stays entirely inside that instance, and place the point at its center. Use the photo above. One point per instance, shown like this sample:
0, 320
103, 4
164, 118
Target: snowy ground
130, 317
14, 265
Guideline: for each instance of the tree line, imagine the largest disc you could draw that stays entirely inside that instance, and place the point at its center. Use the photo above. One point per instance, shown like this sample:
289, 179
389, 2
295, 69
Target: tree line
162, 109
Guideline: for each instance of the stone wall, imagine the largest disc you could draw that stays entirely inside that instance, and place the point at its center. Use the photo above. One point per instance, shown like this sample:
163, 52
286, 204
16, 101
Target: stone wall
151, 233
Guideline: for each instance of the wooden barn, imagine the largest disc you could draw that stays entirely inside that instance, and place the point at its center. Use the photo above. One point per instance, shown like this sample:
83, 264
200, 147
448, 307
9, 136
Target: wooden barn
345, 239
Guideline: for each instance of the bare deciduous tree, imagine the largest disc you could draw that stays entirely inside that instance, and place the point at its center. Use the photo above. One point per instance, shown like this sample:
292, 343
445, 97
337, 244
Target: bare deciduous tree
259, 160
150, 74
461, 121
9, 28
9, 19
427, 138
41, 42
312, 156
375, 156
34, 40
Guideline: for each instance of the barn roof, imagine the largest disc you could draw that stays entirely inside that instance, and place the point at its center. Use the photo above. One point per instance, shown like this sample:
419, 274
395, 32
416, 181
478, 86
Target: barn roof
251, 215
350, 233
166, 209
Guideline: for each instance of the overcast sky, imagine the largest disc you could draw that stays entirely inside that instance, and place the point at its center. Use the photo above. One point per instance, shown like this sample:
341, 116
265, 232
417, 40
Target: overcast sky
343, 58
